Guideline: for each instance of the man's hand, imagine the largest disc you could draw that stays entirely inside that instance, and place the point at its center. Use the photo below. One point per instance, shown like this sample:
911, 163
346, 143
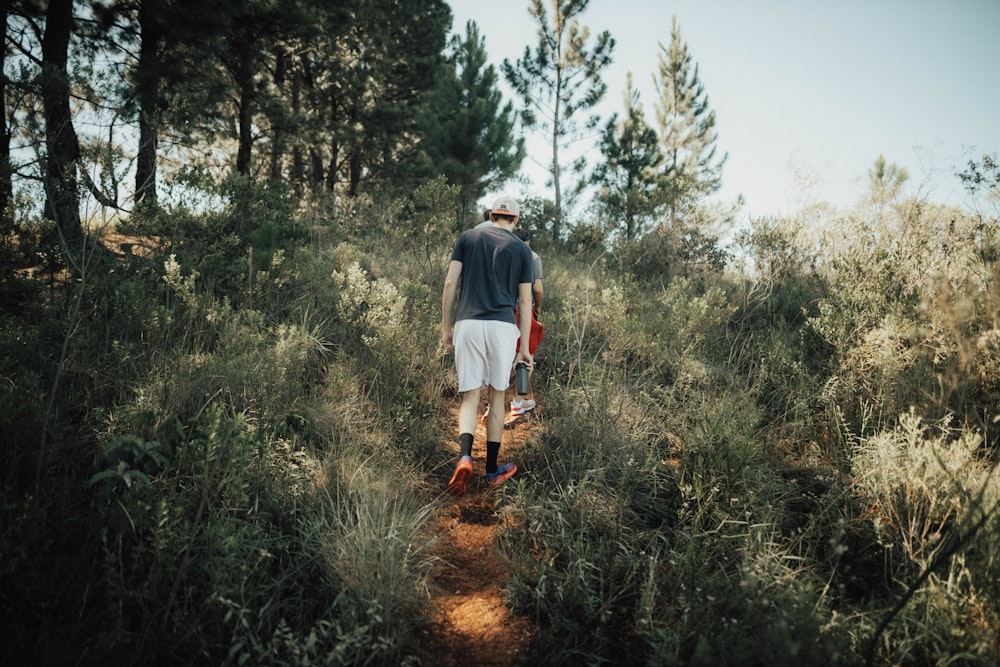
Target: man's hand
527, 358
447, 341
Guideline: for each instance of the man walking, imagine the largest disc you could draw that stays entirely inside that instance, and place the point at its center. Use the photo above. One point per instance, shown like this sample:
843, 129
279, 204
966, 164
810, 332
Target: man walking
494, 269
522, 404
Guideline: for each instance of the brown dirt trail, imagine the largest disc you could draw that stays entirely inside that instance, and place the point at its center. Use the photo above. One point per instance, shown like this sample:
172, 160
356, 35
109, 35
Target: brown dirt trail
472, 624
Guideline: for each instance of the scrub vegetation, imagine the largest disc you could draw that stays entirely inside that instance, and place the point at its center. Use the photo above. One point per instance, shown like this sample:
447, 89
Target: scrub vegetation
227, 423
210, 462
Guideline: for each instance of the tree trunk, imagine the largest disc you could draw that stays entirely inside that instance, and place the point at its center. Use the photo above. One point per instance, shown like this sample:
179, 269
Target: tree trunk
62, 198
298, 168
557, 221
279, 129
332, 173
244, 83
354, 156
556, 127
354, 181
316, 169
148, 93
6, 176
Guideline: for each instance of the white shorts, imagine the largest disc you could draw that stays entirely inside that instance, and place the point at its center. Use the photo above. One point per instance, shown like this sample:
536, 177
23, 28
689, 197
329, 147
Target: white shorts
484, 353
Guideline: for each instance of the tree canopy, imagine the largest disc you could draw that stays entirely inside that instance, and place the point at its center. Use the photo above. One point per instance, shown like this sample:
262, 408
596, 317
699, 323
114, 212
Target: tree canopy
629, 177
558, 80
686, 124
469, 131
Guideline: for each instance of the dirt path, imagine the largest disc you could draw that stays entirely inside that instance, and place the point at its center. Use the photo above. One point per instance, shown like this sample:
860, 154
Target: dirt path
472, 622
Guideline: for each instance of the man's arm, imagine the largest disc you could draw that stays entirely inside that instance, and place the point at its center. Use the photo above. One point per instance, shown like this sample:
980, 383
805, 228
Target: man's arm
538, 293
448, 303
536, 286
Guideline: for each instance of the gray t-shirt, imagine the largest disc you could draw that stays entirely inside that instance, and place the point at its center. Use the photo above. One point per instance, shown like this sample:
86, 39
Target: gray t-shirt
494, 263
536, 267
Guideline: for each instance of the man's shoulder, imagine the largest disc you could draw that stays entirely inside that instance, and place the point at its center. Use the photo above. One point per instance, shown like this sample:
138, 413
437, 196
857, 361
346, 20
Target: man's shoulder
469, 234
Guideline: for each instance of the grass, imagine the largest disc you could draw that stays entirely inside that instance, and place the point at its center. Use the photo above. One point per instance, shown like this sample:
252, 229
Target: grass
728, 474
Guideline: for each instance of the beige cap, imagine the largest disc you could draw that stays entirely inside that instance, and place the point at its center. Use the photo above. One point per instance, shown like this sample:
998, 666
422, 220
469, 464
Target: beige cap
506, 206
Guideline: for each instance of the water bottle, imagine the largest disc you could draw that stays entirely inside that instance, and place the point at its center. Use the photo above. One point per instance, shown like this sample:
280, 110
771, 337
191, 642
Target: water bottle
521, 376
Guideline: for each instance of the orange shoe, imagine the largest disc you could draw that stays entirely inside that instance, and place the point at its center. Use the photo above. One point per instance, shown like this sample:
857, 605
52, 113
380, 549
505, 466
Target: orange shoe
463, 471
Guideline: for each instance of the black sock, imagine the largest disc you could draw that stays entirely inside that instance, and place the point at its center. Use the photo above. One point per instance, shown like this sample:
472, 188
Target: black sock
492, 452
465, 445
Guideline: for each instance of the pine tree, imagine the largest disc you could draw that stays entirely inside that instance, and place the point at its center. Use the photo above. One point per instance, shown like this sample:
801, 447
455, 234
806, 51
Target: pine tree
629, 177
560, 78
687, 127
363, 83
171, 54
886, 179
469, 132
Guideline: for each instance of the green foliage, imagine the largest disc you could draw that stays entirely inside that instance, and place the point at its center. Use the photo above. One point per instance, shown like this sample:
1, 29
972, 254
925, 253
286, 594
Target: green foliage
628, 178
790, 466
374, 535
620, 548
366, 536
425, 221
769, 544
576, 533
22, 367
245, 228
687, 127
908, 300
982, 175
538, 216
208, 521
224, 354
396, 357
471, 138
781, 358
982, 182
373, 307
557, 80
666, 252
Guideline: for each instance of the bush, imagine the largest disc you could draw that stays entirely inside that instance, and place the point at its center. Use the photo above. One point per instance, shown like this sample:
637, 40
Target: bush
576, 532
198, 523
926, 485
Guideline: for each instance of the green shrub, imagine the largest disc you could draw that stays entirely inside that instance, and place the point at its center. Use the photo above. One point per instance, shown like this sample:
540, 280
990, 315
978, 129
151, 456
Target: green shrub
391, 335
908, 296
373, 536
670, 251
578, 530
624, 542
736, 597
22, 367
426, 221
198, 522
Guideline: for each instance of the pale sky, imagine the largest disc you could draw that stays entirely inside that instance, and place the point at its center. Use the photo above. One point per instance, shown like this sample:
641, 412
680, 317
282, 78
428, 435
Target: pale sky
807, 93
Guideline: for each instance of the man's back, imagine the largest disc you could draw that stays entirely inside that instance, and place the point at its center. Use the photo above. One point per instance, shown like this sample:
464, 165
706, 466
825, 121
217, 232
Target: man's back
494, 262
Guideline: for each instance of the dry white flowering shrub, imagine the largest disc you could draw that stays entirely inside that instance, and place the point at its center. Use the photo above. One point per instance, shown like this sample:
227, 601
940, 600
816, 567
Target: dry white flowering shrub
374, 307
